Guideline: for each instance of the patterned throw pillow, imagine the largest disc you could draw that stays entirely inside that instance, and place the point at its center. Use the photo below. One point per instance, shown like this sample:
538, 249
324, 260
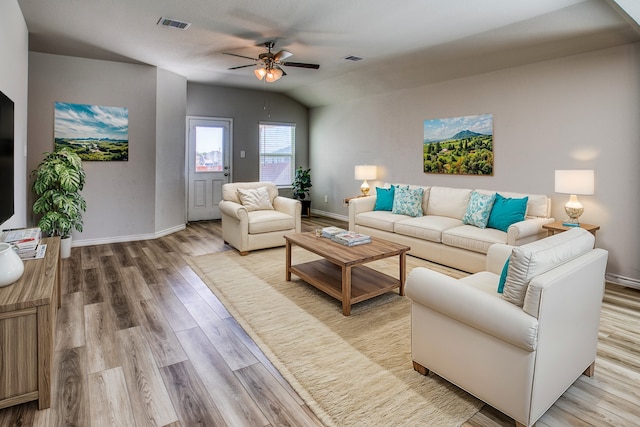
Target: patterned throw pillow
479, 209
407, 202
255, 199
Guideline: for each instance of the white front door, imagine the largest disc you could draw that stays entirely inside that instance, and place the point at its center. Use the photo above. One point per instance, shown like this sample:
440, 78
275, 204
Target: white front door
209, 148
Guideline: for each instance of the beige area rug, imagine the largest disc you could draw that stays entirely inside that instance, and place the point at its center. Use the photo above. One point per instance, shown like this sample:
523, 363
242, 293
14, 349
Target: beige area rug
351, 371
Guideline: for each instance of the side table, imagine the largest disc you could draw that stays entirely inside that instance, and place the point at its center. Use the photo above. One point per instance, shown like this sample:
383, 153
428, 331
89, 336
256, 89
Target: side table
557, 227
306, 208
347, 199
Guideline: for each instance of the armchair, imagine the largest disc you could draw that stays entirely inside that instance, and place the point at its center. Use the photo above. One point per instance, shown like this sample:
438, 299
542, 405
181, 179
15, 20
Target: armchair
249, 227
518, 357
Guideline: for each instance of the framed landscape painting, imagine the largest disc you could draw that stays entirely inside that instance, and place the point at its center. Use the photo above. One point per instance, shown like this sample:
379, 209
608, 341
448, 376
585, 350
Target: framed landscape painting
458, 145
94, 132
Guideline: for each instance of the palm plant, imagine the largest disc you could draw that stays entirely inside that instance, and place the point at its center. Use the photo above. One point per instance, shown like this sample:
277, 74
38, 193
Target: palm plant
58, 180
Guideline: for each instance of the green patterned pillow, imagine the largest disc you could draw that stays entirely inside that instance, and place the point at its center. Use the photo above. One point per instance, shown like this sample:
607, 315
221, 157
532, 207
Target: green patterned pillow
407, 202
479, 209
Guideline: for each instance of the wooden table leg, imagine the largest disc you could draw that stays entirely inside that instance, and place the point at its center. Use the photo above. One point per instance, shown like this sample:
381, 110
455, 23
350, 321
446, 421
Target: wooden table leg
346, 290
287, 274
403, 271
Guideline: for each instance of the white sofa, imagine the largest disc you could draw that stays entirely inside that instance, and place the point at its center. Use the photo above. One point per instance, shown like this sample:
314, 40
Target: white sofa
261, 223
440, 235
518, 351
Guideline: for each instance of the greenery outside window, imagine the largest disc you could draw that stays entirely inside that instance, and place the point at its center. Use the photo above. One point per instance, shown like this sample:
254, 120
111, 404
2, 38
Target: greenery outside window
277, 143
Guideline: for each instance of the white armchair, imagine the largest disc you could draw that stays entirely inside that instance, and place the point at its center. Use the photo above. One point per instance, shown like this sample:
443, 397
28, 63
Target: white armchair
249, 227
518, 356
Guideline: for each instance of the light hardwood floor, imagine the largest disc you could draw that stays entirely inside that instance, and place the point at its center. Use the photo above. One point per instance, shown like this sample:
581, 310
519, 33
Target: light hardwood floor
141, 340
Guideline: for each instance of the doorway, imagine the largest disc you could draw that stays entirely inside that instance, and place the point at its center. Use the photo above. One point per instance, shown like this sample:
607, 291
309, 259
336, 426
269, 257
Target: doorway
209, 160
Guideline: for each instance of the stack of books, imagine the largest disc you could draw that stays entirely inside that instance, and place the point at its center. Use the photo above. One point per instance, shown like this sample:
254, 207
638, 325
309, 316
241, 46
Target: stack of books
26, 242
350, 238
329, 232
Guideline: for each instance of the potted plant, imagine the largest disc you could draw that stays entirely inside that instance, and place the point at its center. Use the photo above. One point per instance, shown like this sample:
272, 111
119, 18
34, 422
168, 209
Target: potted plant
301, 183
58, 180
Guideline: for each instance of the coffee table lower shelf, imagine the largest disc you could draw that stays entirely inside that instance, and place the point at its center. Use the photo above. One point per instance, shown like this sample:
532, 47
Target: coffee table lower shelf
365, 282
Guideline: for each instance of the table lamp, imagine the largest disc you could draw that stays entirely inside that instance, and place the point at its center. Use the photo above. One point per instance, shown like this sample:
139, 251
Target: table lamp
574, 183
365, 172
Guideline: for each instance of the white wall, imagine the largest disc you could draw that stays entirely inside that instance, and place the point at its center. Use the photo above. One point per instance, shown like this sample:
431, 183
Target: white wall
170, 151
247, 108
121, 196
14, 43
578, 112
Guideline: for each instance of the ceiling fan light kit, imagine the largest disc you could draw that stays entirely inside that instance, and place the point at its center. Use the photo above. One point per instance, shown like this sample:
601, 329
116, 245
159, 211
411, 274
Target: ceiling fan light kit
270, 63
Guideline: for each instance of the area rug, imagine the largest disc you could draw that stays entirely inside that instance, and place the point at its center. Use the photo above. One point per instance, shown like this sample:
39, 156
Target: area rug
351, 371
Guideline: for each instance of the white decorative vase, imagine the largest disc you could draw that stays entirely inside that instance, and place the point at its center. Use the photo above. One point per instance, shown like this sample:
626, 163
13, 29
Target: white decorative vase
11, 266
65, 247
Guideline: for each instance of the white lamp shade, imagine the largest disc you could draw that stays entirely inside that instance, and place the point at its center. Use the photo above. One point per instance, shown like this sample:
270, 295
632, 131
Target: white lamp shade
574, 182
366, 172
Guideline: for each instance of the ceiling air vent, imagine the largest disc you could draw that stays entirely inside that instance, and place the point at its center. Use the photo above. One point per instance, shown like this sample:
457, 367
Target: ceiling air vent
173, 23
353, 58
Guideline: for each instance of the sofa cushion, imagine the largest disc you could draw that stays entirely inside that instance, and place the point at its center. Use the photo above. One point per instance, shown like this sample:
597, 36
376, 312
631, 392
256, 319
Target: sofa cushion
473, 238
426, 227
532, 259
483, 280
384, 199
230, 190
479, 209
449, 202
507, 211
380, 220
255, 199
267, 221
407, 201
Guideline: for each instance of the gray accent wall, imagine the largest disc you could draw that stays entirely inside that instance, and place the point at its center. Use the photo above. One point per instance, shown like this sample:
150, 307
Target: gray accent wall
247, 108
124, 201
14, 45
578, 112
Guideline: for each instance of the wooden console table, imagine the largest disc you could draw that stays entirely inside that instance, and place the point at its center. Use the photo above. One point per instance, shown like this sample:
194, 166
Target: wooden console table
28, 311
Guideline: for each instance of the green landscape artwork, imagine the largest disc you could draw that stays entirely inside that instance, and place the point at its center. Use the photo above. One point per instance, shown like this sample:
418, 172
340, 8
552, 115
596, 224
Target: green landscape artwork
459, 145
94, 132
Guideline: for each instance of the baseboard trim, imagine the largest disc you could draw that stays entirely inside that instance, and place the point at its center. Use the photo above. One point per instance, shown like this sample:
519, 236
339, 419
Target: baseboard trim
330, 215
129, 238
622, 280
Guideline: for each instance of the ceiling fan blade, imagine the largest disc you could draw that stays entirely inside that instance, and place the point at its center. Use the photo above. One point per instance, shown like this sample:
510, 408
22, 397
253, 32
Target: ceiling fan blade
283, 54
300, 65
241, 66
240, 56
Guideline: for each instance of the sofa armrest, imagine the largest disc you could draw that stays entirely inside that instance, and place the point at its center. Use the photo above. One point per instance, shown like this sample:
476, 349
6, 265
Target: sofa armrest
234, 210
473, 307
291, 207
526, 229
496, 257
358, 205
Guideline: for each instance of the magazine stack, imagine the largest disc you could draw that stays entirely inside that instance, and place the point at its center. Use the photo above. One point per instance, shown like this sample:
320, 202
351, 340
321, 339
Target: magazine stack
351, 238
329, 232
26, 242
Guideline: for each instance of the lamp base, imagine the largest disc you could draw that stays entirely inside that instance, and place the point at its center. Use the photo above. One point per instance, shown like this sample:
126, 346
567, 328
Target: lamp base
364, 188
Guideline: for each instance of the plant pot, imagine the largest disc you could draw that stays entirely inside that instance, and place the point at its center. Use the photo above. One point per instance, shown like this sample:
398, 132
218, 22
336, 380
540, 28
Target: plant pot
11, 266
65, 247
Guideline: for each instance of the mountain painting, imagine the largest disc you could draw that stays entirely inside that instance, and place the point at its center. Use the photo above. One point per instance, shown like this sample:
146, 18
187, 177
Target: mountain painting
94, 132
459, 145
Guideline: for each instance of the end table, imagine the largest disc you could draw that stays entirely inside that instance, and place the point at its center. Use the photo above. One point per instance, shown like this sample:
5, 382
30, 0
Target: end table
557, 227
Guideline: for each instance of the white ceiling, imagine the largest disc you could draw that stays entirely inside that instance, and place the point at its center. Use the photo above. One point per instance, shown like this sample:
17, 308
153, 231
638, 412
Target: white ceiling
406, 44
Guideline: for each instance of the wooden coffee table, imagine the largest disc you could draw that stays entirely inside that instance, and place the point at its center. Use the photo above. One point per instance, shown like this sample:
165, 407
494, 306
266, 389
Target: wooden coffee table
340, 273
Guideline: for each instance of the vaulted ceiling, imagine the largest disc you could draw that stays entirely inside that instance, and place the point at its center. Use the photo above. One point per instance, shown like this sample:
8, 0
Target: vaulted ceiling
403, 45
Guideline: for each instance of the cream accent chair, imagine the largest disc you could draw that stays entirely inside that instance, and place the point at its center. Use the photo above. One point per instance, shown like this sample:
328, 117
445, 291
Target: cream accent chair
517, 357
248, 230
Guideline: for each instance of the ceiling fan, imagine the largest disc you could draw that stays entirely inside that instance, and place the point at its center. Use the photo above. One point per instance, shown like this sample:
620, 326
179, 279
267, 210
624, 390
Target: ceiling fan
271, 63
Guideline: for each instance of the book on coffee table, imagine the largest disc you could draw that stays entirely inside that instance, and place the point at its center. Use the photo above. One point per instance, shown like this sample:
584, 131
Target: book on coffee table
351, 238
329, 232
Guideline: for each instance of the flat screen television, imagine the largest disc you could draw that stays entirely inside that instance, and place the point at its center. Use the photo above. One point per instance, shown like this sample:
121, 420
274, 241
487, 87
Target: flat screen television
7, 188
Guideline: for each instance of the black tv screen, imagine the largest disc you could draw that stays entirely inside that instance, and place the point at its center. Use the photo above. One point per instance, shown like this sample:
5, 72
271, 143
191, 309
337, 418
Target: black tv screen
6, 159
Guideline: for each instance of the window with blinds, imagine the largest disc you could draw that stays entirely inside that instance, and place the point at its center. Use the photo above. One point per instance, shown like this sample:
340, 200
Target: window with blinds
277, 142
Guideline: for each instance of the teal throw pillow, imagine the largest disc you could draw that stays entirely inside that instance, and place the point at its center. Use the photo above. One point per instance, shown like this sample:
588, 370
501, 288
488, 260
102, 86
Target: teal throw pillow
407, 202
503, 276
479, 209
384, 199
507, 211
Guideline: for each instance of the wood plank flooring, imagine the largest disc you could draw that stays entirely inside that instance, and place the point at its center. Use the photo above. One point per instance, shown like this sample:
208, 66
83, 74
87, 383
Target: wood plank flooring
141, 340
